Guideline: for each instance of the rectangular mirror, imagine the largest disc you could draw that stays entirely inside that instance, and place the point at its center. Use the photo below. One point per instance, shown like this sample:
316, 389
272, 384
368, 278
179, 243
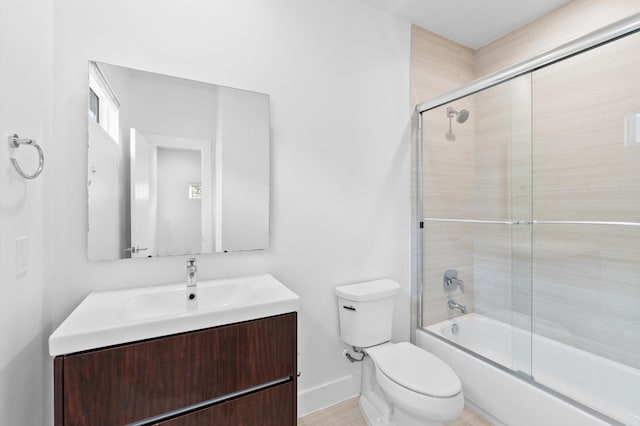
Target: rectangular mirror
175, 166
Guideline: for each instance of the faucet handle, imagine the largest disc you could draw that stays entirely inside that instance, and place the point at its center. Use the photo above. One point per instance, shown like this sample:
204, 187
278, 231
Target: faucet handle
450, 281
191, 263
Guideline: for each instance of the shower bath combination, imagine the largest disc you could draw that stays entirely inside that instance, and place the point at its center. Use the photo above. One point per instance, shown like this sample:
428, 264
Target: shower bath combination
549, 264
461, 117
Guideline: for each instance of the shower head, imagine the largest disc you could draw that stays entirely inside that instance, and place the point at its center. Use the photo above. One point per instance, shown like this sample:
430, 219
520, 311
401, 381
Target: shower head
462, 116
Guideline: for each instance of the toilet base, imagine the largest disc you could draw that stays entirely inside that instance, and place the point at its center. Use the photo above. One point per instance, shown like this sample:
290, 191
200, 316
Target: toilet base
379, 413
401, 418
379, 410
373, 414
374, 405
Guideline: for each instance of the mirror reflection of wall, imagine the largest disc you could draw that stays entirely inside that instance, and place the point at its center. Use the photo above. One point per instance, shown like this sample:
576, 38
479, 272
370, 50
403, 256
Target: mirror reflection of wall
151, 139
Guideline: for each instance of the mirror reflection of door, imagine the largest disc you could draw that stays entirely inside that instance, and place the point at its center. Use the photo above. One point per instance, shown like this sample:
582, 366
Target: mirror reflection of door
171, 195
104, 194
143, 195
179, 224
106, 221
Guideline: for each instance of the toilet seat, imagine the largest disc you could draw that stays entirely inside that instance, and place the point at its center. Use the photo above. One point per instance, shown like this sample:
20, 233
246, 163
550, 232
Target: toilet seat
417, 370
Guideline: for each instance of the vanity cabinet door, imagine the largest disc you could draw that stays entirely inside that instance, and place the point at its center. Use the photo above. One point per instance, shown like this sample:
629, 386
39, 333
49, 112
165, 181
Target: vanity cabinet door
269, 407
132, 382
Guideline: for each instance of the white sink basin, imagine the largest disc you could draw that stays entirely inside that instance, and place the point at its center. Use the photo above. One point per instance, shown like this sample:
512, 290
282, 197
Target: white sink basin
109, 318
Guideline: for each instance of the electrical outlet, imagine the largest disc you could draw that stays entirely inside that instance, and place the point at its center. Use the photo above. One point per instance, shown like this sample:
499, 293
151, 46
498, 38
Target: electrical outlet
22, 255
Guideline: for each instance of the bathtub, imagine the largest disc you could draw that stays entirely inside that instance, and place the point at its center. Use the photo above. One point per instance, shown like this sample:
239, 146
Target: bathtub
598, 384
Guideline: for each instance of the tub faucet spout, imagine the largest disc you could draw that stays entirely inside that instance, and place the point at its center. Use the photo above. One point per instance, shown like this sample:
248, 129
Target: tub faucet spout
452, 304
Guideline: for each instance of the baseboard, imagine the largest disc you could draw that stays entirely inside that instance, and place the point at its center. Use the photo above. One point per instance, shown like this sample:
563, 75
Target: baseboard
328, 394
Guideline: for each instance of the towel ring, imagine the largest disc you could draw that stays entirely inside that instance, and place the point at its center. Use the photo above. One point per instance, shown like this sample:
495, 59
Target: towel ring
14, 142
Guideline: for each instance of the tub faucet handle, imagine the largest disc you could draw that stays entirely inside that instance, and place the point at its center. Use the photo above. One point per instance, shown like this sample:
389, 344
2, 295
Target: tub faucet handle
450, 281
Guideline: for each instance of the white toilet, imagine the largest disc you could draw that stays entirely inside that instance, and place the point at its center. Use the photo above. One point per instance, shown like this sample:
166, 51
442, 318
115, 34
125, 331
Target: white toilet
402, 384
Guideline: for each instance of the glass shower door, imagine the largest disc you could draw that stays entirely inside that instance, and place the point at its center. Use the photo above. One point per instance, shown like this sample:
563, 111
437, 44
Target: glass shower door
477, 221
586, 240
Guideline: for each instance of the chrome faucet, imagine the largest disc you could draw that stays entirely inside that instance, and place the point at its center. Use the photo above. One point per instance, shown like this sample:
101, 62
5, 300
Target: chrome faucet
452, 304
192, 284
450, 281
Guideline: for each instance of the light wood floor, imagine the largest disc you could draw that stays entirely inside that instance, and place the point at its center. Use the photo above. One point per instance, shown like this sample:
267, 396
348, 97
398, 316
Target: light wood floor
347, 413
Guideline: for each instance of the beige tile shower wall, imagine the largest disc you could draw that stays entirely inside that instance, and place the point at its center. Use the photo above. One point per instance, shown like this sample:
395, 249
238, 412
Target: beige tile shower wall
586, 289
587, 277
438, 66
502, 193
575, 19
583, 169
587, 281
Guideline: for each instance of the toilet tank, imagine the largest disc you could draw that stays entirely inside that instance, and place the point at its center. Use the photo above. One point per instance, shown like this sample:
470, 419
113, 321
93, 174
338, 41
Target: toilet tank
366, 312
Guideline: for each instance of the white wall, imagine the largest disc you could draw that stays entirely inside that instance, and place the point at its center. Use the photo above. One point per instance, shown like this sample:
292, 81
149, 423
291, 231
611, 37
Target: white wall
337, 73
25, 108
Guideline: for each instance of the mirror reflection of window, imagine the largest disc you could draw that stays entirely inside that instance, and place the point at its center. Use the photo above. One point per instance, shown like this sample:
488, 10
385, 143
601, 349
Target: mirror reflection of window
195, 191
94, 106
104, 107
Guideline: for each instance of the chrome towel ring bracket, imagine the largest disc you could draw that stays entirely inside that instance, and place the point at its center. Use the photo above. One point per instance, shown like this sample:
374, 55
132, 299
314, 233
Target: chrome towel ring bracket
14, 142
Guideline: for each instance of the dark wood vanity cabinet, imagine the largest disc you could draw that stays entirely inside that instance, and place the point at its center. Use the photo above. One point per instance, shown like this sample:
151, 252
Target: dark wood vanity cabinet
271, 407
237, 374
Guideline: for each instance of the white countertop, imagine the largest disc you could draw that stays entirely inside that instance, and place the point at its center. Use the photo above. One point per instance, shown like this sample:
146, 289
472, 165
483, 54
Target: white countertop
109, 318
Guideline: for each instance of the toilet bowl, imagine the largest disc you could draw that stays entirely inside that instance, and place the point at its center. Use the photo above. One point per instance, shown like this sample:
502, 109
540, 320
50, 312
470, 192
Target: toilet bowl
402, 384
423, 389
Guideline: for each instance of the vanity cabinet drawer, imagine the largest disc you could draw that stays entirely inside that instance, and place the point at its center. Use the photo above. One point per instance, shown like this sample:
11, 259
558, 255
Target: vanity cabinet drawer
270, 407
132, 382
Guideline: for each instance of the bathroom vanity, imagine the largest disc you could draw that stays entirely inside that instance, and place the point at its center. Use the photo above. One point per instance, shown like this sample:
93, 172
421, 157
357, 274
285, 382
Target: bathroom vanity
240, 372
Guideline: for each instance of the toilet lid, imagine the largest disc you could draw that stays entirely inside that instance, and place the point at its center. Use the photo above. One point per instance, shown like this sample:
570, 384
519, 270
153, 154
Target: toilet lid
418, 370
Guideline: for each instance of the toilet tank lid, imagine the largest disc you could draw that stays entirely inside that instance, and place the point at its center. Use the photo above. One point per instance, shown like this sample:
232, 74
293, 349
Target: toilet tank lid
368, 290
